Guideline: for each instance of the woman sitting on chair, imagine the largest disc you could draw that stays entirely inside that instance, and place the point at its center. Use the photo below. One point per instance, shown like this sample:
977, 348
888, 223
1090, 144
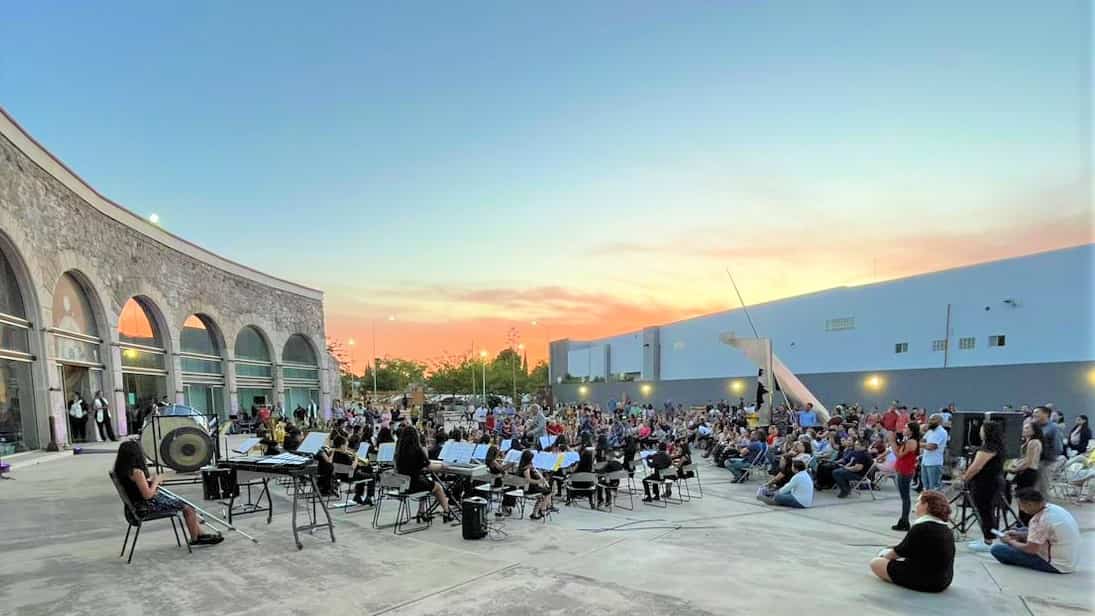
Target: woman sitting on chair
537, 484
143, 491
348, 457
411, 460
924, 560
585, 465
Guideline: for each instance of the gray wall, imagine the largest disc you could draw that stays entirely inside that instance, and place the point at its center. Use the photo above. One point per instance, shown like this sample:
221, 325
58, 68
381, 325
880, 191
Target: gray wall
1070, 386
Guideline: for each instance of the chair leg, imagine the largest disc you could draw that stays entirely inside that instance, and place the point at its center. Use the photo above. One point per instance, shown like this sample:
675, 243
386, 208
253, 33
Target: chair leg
133, 547
126, 541
175, 529
186, 538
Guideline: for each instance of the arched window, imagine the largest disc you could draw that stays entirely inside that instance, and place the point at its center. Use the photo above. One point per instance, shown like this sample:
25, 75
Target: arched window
300, 372
140, 339
18, 429
200, 359
75, 333
254, 369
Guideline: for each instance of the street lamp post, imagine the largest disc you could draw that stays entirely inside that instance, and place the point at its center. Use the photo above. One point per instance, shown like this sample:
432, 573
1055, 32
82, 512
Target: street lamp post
353, 359
513, 372
483, 357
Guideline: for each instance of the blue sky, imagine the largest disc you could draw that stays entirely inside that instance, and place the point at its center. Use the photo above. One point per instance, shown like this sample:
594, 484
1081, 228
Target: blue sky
467, 165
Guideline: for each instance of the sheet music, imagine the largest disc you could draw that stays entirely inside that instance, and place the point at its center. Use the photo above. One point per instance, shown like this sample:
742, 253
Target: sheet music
247, 445
313, 442
460, 452
546, 461
445, 450
284, 458
363, 451
480, 452
506, 445
513, 456
547, 441
569, 458
386, 452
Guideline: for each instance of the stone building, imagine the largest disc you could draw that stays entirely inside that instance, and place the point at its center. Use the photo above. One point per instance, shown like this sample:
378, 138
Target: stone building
94, 297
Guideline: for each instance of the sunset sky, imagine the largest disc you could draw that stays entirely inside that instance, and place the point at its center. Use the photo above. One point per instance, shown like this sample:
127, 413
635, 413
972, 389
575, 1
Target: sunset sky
471, 167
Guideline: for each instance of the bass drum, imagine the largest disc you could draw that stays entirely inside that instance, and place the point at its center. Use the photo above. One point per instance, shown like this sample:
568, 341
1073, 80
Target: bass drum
183, 443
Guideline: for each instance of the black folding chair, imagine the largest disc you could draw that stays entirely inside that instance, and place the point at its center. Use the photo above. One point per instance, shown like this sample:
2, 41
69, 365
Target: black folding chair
137, 517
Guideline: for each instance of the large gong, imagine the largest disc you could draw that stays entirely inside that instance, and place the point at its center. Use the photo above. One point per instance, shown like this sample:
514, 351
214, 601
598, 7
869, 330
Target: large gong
181, 440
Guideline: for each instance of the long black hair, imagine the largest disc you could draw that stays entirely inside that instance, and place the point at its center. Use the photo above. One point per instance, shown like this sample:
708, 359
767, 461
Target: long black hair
993, 441
914, 429
130, 456
526, 459
407, 445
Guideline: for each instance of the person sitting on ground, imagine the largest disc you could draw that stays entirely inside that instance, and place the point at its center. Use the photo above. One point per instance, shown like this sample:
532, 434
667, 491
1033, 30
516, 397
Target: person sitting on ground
537, 484
924, 560
1050, 544
797, 493
658, 462
143, 490
852, 468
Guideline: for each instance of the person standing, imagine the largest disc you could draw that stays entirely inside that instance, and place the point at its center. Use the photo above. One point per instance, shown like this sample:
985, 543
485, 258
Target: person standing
102, 417
985, 480
1051, 442
1079, 437
905, 466
77, 412
931, 461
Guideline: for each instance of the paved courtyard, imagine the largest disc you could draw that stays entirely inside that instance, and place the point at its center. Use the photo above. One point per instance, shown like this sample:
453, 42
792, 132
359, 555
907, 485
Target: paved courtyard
724, 554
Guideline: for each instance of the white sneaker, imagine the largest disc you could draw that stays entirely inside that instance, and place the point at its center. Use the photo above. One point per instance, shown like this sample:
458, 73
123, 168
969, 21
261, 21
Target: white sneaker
979, 546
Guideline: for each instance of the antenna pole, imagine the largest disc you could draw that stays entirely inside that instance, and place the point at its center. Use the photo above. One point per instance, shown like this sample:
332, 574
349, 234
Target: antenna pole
743, 307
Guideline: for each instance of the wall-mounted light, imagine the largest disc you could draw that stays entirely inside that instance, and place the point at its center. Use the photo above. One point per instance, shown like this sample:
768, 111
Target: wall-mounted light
583, 390
874, 382
737, 386
646, 388
1091, 377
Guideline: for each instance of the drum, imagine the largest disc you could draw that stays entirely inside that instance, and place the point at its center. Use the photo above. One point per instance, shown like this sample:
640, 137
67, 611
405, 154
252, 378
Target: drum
181, 441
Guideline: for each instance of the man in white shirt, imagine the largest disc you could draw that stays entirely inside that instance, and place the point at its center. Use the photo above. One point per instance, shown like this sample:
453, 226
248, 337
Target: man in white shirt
1052, 542
931, 460
797, 493
78, 418
102, 417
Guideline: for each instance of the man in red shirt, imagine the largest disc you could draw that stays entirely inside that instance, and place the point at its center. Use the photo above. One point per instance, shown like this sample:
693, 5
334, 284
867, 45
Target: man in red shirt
902, 419
889, 419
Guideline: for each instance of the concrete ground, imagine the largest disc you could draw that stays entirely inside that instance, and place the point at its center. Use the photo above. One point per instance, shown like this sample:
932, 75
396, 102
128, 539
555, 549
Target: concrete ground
725, 554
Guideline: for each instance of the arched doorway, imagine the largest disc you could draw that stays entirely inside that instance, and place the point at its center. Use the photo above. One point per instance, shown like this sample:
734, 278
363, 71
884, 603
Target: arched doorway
18, 429
254, 371
144, 360
200, 350
76, 342
300, 374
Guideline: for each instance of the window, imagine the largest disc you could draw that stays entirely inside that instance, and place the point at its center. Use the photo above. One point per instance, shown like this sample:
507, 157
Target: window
997, 341
901, 347
836, 325
939, 345
965, 344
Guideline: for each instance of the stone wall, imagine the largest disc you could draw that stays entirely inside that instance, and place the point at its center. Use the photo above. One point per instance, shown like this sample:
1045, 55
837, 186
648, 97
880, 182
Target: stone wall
48, 229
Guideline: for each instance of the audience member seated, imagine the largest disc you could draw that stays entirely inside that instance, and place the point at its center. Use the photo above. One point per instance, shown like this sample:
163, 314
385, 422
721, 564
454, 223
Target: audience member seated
1051, 543
747, 456
797, 493
924, 560
852, 467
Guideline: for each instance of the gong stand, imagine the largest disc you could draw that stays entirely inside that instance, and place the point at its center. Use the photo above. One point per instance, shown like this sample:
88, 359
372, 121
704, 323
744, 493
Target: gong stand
157, 463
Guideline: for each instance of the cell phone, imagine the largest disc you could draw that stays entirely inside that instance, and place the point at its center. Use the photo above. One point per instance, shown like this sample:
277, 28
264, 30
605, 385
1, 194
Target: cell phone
998, 533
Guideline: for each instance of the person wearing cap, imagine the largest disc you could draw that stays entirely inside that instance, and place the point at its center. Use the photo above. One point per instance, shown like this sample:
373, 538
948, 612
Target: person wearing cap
931, 460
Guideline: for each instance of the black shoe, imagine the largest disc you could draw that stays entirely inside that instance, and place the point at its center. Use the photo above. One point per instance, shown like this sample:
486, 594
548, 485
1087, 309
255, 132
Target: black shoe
647, 499
209, 539
843, 495
446, 517
902, 525
536, 516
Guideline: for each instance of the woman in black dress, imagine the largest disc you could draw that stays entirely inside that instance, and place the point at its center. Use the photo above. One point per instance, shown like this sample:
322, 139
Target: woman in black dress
924, 560
537, 484
411, 460
585, 465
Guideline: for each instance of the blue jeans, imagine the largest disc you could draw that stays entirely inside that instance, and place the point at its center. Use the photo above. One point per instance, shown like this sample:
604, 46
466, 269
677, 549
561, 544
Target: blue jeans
787, 500
931, 477
1013, 556
737, 467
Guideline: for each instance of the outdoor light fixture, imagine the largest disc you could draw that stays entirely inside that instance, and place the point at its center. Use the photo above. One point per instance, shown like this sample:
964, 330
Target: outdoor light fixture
645, 388
582, 390
873, 382
737, 386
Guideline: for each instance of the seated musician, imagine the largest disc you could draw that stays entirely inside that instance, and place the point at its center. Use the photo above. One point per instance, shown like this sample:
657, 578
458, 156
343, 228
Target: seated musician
537, 484
682, 457
325, 473
585, 465
411, 460
496, 467
605, 486
267, 444
144, 492
293, 438
342, 454
439, 439
657, 462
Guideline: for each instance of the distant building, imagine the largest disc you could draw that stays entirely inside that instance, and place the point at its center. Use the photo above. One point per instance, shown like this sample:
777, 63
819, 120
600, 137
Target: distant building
1015, 331
94, 297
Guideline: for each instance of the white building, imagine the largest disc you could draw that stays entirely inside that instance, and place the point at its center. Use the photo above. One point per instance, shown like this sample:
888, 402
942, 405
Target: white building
1015, 331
